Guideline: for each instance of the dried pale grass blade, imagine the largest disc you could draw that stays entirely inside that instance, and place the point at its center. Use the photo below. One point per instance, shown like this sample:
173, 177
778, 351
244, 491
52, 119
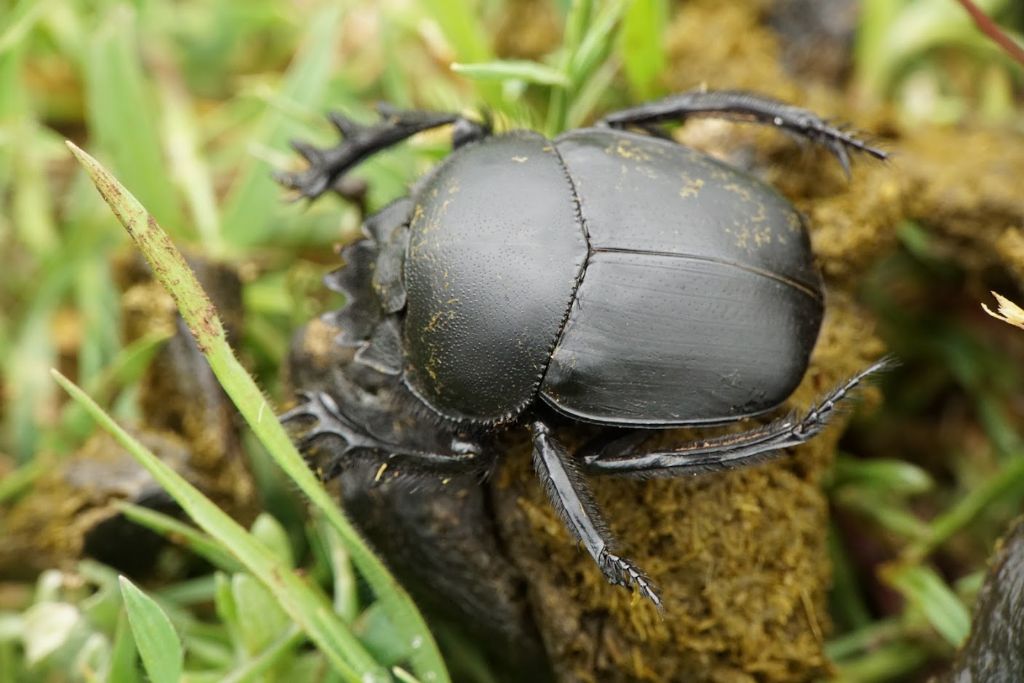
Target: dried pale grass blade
1008, 312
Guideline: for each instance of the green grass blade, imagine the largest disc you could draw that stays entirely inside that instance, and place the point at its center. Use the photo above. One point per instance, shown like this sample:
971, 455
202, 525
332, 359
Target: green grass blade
123, 657
876, 18
19, 22
587, 99
522, 70
885, 663
121, 115
270, 656
462, 28
966, 509
201, 318
882, 475
924, 589
889, 514
404, 676
181, 533
260, 620
255, 199
376, 631
124, 370
346, 593
270, 532
189, 591
155, 638
32, 205
643, 46
227, 610
98, 302
187, 165
307, 608
575, 27
13, 483
596, 44
32, 350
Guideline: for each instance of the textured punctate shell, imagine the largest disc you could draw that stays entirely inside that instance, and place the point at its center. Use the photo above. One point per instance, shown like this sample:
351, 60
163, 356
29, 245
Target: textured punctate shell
495, 250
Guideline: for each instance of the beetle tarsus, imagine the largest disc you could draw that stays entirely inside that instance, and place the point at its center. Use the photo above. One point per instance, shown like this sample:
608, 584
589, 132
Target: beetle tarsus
359, 141
622, 572
730, 451
743, 106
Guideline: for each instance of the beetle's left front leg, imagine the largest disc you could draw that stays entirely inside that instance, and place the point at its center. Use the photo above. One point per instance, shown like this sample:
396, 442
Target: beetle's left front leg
330, 420
568, 492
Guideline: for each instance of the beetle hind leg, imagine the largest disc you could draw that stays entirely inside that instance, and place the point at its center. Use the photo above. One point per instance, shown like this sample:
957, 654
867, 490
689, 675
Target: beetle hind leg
328, 166
733, 450
569, 494
745, 106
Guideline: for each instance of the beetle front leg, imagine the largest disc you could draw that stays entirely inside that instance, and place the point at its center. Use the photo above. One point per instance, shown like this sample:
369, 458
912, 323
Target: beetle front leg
329, 420
328, 166
745, 106
733, 450
571, 497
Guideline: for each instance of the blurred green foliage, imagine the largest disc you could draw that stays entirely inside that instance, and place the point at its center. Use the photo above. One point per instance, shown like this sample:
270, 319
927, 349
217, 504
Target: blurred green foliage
930, 58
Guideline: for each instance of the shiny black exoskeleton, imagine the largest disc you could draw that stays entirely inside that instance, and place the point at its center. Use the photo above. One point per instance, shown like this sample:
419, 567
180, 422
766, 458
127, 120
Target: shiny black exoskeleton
609, 275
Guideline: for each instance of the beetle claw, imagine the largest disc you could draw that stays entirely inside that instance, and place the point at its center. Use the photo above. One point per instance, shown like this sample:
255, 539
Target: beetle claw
839, 149
621, 572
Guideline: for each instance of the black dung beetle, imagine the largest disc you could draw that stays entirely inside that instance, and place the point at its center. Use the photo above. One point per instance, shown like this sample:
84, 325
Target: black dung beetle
610, 275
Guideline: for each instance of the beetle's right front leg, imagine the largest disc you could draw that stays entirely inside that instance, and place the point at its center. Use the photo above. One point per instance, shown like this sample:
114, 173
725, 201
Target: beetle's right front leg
330, 420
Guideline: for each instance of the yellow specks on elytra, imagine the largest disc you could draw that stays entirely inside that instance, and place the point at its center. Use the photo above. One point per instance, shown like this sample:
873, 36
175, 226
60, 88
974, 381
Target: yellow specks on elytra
438, 319
717, 173
646, 171
432, 371
793, 222
740, 190
762, 236
761, 216
691, 186
627, 150
743, 238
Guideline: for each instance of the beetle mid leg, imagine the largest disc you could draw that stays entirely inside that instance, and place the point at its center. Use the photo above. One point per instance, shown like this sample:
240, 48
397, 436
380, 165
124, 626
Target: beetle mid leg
733, 450
569, 493
328, 166
745, 106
